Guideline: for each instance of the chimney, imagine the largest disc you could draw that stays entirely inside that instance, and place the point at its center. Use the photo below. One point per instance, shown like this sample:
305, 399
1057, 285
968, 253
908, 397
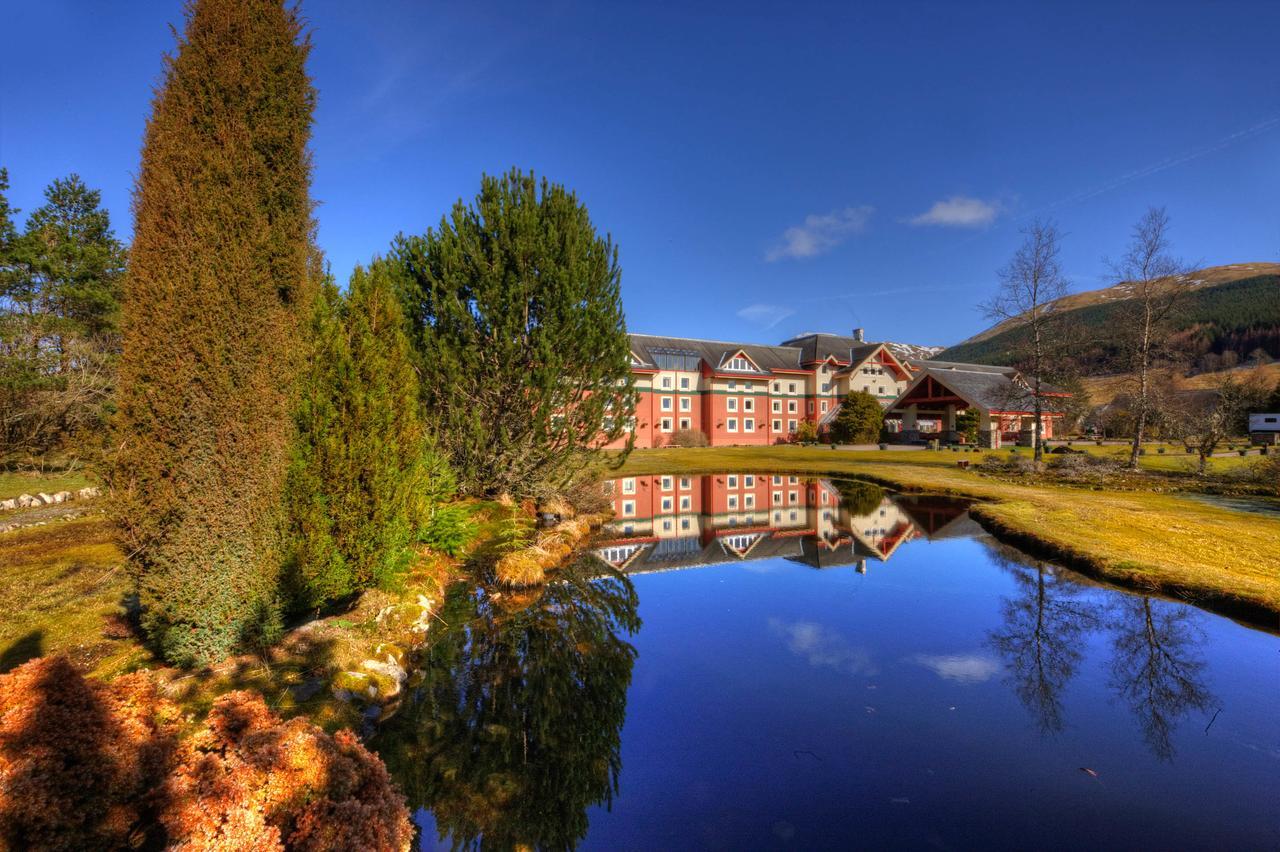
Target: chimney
857, 334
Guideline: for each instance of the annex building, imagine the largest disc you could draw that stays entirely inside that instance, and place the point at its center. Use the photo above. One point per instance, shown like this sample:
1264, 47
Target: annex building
756, 394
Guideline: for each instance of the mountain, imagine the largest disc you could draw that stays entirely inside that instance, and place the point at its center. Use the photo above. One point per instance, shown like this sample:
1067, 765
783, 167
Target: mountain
1229, 314
904, 351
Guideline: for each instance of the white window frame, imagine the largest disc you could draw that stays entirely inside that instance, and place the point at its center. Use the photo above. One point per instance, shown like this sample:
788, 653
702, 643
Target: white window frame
731, 404
732, 424
791, 425
685, 423
629, 485
749, 481
684, 383
733, 480
777, 406
777, 425
685, 483
791, 406
665, 403
748, 501
748, 424
686, 502
793, 497
628, 508
686, 404
733, 501
666, 483
665, 425
777, 498
667, 503
748, 404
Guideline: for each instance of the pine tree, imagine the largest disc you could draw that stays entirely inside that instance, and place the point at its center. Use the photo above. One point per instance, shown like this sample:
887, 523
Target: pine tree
521, 337
361, 468
859, 419
59, 303
219, 288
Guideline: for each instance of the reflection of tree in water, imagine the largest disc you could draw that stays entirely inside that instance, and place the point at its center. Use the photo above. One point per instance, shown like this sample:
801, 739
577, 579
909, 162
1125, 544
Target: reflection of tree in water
1157, 668
859, 498
516, 728
1043, 633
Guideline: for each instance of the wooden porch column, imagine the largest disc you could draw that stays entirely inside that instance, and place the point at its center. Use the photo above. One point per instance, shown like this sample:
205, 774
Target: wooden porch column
988, 430
910, 425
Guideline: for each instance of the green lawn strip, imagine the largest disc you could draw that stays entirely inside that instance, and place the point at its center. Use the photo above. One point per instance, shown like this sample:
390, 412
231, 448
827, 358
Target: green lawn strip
1218, 557
14, 484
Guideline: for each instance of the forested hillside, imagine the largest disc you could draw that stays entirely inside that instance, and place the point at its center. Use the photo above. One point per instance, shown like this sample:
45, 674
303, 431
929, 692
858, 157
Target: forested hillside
1218, 325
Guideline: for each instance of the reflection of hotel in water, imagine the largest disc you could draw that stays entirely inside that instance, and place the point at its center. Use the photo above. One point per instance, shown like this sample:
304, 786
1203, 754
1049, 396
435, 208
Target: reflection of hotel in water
663, 522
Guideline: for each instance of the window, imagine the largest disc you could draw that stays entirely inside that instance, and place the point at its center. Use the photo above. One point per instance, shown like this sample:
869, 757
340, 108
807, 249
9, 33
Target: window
666, 381
686, 404
733, 481
732, 424
746, 385
666, 504
629, 529
684, 383
684, 422
749, 481
791, 406
791, 387
866, 388
826, 387
741, 364
777, 498
732, 403
749, 501
777, 386
824, 406
793, 515
748, 425
777, 480
791, 425
777, 406
666, 424
684, 523
793, 497
666, 482
666, 526
733, 501
666, 403
748, 404
629, 485
777, 425
733, 384
810, 406
793, 480
777, 517
882, 391
628, 507
686, 503
685, 483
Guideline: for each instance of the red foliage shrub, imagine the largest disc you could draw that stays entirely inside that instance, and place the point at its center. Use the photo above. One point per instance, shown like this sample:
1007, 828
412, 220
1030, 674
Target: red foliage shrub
251, 781
78, 758
90, 765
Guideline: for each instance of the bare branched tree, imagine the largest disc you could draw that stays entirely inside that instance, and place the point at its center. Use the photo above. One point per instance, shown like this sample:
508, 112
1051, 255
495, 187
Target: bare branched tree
1157, 281
1029, 285
1203, 421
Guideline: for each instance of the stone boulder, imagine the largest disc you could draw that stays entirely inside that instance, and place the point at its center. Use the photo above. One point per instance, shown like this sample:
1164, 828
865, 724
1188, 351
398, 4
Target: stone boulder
26, 501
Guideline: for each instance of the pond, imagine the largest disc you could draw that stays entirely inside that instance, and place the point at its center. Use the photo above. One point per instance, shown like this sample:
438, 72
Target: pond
825, 665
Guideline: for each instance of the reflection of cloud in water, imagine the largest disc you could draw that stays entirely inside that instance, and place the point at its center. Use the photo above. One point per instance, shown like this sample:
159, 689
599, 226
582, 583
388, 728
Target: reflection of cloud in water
822, 646
962, 668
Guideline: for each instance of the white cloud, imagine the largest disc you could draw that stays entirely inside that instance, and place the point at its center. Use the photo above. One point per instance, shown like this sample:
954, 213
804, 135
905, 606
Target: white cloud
959, 212
964, 668
766, 316
824, 647
820, 233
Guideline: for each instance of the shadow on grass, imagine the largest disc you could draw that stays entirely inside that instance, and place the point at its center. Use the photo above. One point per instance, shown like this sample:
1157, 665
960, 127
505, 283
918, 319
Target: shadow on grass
26, 647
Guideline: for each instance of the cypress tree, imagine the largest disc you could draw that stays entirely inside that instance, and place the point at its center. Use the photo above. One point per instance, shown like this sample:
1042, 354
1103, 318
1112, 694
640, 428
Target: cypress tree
362, 465
523, 347
217, 293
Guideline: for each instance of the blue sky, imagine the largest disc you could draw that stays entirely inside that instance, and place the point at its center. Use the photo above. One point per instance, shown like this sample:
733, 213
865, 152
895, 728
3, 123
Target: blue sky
765, 169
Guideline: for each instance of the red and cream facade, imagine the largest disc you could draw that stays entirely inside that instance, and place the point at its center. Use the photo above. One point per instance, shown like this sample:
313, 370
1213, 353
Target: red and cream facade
752, 394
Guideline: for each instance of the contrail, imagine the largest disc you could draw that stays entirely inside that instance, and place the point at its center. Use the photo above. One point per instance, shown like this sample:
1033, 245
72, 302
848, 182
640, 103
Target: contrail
1167, 163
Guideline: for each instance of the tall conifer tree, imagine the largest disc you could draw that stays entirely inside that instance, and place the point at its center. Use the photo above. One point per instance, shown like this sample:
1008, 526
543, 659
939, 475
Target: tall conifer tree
218, 290
362, 464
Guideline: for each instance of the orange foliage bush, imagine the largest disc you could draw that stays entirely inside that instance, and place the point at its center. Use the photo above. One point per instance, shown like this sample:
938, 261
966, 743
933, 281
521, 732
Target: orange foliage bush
252, 782
79, 759
90, 765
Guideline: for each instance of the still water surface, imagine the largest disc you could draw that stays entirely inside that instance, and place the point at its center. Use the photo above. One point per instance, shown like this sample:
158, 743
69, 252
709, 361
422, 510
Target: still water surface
850, 670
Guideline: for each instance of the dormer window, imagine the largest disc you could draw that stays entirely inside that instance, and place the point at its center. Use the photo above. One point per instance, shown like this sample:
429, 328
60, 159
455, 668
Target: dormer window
740, 364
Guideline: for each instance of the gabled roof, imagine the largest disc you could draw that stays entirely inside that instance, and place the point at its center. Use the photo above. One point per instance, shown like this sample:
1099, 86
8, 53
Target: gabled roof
989, 387
714, 352
819, 347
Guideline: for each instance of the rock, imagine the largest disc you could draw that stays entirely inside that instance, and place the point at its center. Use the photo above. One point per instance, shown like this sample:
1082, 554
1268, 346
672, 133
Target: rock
87, 493
26, 501
46, 499
8, 505
62, 496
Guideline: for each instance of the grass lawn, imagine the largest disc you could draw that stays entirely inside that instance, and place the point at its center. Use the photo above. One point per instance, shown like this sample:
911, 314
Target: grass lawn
13, 484
1150, 540
60, 583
